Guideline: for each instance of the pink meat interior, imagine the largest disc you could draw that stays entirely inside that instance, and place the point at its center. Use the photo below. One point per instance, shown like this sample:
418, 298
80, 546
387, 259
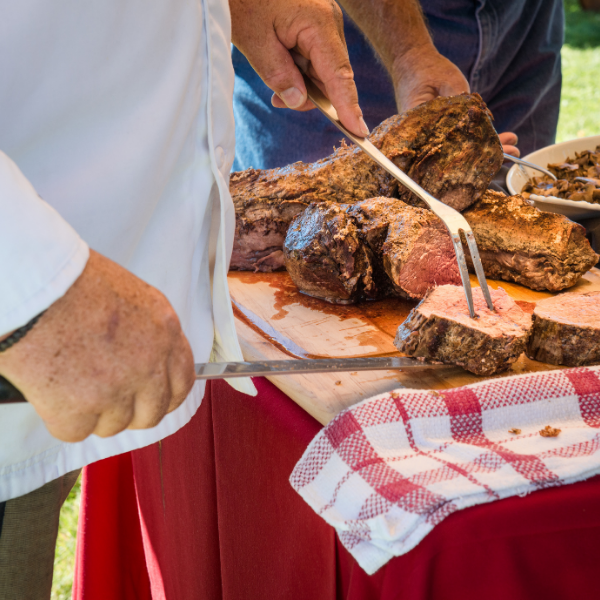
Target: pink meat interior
431, 263
448, 301
582, 310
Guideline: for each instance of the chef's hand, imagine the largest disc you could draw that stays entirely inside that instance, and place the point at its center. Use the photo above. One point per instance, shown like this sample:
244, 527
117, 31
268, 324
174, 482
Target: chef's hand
109, 355
274, 33
423, 74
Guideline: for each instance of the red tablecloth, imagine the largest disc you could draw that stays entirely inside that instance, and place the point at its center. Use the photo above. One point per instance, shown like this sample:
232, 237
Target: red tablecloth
209, 514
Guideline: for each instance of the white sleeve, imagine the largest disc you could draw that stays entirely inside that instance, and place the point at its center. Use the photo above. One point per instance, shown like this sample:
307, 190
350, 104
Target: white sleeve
41, 255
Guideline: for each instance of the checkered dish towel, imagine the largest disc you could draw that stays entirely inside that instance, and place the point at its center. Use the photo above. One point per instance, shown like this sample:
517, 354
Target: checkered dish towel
389, 469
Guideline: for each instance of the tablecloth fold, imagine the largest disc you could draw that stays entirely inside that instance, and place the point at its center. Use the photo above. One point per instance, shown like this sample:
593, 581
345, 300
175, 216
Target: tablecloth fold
387, 470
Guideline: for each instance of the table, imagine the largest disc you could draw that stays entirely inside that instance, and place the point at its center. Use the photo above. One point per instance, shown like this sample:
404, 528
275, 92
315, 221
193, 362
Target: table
275, 321
209, 514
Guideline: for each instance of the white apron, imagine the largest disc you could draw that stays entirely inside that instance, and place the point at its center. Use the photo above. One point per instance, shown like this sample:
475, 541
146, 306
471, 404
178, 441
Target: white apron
118, 114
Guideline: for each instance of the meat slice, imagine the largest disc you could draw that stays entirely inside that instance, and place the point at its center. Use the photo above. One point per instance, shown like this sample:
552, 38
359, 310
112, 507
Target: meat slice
566, 330
375, 248
416, 251
326, 258
440, 329
518, 242
432, 143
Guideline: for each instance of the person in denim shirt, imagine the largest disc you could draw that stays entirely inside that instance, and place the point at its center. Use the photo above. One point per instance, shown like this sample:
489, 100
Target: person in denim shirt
506, 50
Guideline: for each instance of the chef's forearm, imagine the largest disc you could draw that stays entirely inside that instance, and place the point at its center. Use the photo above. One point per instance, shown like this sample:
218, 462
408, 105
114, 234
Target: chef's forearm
395, 28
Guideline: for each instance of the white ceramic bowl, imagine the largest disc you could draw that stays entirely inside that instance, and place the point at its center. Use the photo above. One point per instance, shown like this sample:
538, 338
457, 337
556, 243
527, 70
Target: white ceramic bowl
517, 177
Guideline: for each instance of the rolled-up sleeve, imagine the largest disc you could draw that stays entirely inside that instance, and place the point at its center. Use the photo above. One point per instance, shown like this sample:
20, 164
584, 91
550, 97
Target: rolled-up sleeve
41, 255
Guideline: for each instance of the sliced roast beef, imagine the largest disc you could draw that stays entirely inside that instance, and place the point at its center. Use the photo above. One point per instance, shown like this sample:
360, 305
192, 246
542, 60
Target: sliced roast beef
432, 143
518, 242
375, 248
440, 329
566, 330
416, 251
325, 256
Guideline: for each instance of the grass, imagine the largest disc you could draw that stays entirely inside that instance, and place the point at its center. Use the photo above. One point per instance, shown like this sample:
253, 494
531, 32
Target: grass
64, 559
580, 100
579, 117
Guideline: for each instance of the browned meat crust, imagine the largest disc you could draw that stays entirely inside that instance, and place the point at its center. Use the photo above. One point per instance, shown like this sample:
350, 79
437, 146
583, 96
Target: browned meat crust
267, 201
517, 242
440, 329
566, 330
450, 148
373, 219
343, 253
432, 143
325, 256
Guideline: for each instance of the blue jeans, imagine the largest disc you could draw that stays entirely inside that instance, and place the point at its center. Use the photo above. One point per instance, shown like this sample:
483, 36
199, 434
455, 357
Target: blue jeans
509, 50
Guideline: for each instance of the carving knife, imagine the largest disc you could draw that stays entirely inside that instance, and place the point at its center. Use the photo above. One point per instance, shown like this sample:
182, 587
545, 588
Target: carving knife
10, 394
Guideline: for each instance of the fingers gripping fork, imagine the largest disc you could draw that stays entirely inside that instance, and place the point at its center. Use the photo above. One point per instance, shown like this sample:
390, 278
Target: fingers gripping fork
451, 218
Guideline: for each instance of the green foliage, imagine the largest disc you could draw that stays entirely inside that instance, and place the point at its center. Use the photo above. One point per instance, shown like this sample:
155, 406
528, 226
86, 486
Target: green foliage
64, 559
582, 28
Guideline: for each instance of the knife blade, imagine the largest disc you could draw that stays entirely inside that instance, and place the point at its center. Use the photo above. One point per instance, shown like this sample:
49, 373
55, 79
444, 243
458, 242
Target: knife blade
10, 394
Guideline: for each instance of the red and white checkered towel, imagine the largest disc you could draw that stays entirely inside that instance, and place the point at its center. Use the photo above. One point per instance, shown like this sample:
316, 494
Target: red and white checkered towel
387, 470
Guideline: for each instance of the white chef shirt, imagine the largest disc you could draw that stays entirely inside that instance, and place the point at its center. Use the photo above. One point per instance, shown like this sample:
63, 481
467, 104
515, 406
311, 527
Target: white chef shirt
118, 114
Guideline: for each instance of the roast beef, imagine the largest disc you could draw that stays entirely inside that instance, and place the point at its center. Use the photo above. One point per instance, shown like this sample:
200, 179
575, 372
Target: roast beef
416, 251
378, 247
566, 330
518, 242
440, 329
325, 256
448, 145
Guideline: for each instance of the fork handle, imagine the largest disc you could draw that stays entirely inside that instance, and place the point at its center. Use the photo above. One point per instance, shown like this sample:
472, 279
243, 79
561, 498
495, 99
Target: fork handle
520, 161
9, 394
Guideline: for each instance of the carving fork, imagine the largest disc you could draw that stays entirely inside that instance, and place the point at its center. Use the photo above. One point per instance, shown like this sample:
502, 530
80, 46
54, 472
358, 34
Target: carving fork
453, 220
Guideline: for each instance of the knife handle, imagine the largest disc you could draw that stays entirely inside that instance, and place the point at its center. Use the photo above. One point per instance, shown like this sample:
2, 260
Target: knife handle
9, 394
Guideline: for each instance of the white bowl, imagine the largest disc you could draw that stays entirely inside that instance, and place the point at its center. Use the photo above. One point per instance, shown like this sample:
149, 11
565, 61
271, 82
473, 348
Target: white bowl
517, 177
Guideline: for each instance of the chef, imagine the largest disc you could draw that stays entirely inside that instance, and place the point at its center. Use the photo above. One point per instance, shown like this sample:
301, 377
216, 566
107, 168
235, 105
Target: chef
117, 139
506, 50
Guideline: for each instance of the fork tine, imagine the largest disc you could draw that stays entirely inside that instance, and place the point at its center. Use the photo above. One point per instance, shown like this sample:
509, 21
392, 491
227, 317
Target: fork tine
464, 272
479, 268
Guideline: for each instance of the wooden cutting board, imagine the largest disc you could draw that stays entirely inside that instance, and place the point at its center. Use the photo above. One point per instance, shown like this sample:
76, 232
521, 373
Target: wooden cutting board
274, 320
